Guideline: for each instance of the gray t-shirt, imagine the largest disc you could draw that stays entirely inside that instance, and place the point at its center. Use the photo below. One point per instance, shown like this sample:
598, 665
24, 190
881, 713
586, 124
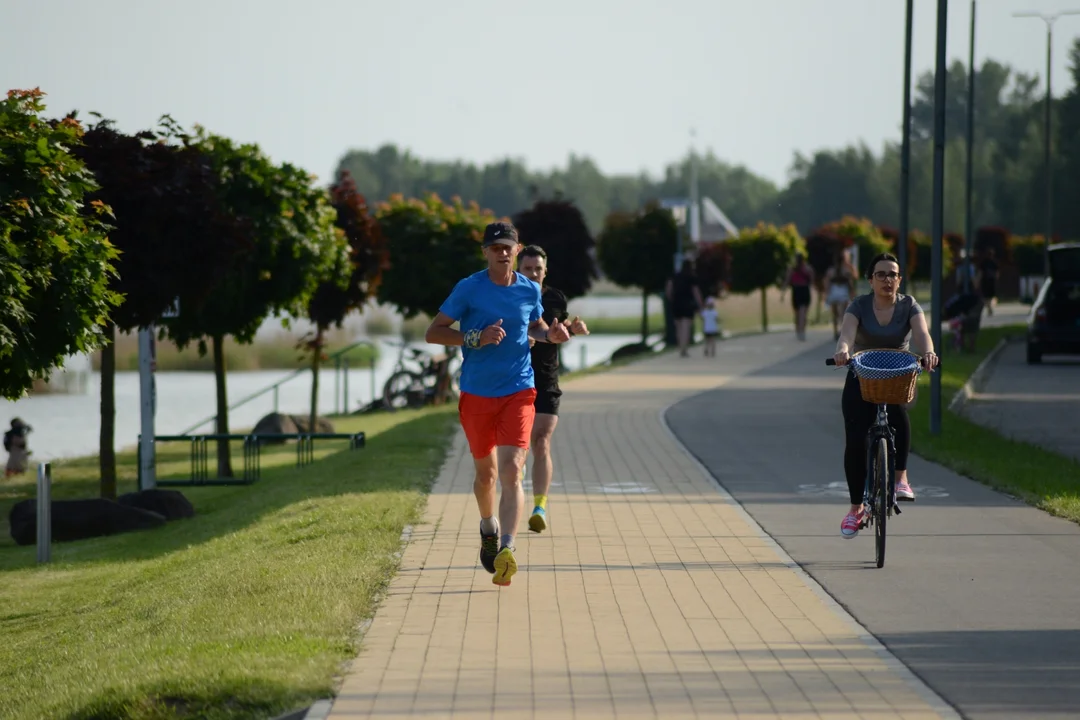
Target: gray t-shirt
871, 335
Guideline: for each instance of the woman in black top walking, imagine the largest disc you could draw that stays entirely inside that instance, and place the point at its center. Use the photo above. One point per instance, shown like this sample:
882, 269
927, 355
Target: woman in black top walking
685, 299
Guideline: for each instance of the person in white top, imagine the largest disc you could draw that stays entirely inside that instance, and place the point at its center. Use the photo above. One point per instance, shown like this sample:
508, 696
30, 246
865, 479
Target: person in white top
711, 321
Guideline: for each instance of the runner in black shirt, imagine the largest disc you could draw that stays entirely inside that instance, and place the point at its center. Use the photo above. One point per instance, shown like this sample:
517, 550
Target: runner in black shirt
532, 263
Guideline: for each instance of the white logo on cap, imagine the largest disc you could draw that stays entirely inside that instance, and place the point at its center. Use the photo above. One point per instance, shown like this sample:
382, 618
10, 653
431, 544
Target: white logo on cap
496, 233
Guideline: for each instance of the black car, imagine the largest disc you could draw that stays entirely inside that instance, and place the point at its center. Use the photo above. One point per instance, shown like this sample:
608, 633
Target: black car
1054, 323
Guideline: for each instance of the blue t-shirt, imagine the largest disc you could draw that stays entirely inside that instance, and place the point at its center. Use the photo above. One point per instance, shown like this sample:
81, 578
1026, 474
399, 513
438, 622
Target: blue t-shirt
476, 302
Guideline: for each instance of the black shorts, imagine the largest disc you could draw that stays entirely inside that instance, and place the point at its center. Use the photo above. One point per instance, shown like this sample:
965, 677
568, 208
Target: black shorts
800, 296
547, 400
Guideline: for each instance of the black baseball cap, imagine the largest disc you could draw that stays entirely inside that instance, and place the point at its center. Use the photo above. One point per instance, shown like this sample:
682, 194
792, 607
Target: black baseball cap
500, 233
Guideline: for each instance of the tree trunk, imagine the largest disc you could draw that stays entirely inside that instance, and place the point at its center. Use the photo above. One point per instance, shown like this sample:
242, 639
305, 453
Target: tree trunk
224, 457
764, 311
106, 442
442, 379
644, 316
316, 358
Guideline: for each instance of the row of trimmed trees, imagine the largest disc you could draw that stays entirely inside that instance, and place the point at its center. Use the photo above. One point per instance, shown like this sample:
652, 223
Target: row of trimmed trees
636, 250
101, 231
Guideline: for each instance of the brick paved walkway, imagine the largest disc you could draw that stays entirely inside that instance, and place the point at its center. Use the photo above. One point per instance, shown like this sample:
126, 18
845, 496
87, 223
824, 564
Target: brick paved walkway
651, 595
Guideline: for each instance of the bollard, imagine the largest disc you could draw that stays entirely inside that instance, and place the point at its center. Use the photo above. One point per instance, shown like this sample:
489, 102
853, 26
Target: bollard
337, 386
275, 398
345, 383
584, 355
44, 512
373, 396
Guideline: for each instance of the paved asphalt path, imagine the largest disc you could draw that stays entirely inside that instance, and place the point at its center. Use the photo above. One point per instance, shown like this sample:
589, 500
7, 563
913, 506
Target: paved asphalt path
1039, 404
980, 594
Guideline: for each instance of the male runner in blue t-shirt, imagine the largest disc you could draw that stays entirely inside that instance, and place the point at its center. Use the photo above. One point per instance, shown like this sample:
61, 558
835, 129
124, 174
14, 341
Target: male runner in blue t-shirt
498, 310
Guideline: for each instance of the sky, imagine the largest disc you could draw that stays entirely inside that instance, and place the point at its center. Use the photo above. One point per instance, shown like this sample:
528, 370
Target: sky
622, 82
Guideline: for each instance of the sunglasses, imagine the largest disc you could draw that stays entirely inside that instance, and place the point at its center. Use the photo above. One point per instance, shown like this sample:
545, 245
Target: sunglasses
882, 275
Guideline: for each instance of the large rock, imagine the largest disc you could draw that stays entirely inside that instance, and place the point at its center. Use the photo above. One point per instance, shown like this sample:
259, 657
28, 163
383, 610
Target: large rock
80, 519
273, 424
322, 425
280, 423
170, 504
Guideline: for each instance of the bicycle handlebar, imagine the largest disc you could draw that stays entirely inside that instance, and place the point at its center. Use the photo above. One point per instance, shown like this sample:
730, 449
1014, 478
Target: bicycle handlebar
832, 361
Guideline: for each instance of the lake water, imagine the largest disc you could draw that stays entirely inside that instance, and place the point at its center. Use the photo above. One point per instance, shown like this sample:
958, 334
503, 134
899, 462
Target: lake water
68, 425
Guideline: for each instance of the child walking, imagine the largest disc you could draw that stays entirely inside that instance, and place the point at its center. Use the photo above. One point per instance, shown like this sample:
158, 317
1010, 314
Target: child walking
711, 320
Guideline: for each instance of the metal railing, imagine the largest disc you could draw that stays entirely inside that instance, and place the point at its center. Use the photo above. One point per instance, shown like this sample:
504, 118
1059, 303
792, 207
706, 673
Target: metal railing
341, 365
200, 456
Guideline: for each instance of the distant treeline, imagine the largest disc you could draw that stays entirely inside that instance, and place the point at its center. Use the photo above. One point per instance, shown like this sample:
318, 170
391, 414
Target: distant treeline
1008, 188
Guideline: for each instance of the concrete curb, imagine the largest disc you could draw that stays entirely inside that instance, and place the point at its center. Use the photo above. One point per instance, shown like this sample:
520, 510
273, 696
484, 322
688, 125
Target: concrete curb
977, 379
319, 711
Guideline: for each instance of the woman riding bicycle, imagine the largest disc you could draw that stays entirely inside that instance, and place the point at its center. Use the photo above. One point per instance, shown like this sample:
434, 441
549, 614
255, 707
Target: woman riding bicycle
882, 319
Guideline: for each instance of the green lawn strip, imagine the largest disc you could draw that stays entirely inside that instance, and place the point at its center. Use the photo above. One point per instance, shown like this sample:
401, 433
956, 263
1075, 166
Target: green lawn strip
1040, 477
245, 611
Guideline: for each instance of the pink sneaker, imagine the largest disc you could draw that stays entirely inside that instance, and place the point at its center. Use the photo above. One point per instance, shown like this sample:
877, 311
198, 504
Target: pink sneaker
904, 492
849, 528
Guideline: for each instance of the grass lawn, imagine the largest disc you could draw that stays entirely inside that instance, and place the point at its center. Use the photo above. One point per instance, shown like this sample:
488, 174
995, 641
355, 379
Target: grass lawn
245, 611
1042, 478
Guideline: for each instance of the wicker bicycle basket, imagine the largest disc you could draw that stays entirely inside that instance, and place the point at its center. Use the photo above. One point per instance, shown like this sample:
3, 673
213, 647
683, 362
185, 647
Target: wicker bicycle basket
886, 376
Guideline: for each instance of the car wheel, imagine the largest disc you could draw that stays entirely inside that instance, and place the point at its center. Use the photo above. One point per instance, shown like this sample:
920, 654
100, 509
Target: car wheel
1034, 354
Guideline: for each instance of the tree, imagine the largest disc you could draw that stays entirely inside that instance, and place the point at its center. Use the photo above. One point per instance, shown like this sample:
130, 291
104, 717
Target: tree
861, 233
713, 268
352, 280
432, 246
55, 259
1027, 253
293, 245
636, 250
559, 227
759, 257
174, 239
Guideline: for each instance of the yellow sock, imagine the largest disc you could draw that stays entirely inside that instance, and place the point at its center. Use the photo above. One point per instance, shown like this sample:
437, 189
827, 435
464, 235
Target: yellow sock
540, 501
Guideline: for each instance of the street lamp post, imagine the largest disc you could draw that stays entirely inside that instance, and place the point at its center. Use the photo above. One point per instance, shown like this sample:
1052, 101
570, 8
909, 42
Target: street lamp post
968, 238
1049, 20
937, 220
905, 154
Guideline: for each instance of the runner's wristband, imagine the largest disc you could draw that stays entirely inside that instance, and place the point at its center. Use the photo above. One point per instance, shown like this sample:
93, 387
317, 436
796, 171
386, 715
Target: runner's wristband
472, 339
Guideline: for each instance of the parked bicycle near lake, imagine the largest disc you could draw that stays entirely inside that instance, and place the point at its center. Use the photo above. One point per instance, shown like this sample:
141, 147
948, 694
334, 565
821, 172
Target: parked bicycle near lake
414, 381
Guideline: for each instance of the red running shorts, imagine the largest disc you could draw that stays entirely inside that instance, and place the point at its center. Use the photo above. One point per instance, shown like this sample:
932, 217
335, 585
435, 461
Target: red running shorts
501, 421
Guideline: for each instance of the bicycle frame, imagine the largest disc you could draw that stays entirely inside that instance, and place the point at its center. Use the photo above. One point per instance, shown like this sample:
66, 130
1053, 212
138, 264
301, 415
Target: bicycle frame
881, 430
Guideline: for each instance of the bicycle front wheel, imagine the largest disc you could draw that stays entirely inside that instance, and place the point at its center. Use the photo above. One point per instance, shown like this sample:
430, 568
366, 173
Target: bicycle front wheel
399, 390
881, 498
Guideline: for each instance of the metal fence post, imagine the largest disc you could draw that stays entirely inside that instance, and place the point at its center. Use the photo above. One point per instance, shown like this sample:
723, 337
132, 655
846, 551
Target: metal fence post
44, 512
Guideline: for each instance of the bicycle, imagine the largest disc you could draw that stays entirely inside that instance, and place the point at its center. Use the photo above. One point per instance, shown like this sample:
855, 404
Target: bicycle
414, 381
886, 377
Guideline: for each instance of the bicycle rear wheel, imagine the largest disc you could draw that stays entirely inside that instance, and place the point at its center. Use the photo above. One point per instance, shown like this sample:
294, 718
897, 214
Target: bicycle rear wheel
880, 499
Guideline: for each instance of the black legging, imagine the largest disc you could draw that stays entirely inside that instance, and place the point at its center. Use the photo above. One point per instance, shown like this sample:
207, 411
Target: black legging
859, 415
